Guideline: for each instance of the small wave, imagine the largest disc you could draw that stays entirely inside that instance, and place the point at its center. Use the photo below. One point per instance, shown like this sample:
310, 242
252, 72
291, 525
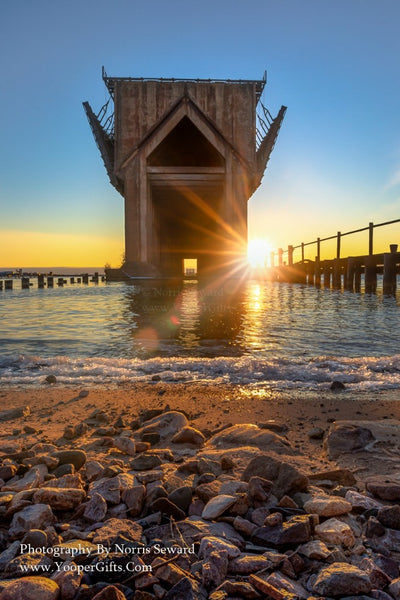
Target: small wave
363, 374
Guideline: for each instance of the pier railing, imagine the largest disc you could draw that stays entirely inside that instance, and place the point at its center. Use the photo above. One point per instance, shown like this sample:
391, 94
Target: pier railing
348, 269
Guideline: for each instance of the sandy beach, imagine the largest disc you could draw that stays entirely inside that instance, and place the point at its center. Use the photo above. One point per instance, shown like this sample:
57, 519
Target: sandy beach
208, 408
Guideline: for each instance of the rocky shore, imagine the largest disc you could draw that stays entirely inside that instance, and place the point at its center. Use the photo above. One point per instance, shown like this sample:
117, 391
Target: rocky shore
153, 506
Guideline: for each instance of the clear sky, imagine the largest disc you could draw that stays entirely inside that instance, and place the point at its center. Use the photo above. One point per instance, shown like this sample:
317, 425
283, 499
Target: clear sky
333, 63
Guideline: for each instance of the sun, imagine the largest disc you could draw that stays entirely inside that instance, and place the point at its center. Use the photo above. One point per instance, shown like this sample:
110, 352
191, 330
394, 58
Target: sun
258, 251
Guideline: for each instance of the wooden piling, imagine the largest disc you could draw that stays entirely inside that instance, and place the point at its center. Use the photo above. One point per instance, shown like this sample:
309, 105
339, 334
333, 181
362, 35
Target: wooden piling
327, 274
85, 278
72, 280
350, 272
78, 280
25, 283
40, 281
8, 284
370, 275
60, 281
1, 284
357, 275
317, 272
290, 256
389, 272
337, 277
50, 281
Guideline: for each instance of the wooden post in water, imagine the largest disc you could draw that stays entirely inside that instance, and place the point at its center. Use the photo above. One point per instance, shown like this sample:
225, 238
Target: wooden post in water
60, 281
50, 282
337, 278
8, 284
357, 276
370, 239
370, 274
350, 271
327, 274
290, 255
72, 279
390, 260
317, 272
85, 278
40, 281
78, 280
1, 284
25, 283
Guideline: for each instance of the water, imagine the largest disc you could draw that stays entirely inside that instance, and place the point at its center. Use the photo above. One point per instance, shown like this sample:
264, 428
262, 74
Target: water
279, 336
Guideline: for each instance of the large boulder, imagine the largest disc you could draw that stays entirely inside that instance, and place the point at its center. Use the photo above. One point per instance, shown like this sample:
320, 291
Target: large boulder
342, 579
345, 437
285, 477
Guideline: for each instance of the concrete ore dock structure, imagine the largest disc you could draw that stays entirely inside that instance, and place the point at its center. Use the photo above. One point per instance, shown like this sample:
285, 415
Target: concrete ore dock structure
186, 155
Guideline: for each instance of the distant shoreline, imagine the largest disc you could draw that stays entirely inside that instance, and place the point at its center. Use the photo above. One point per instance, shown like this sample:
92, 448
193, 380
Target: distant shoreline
56, 270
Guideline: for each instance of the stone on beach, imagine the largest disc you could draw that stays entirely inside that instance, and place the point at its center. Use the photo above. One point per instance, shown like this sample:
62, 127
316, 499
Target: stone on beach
217, 506
345, 437
96, 508
250, 435
74, 457
285, 477
35, 516
59, 498
14, 413
29, 588
189, 435
334, 531
327, 506
125, 445
341, 579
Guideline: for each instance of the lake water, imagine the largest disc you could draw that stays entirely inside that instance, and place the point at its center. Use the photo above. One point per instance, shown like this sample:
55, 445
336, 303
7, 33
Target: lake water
279, 336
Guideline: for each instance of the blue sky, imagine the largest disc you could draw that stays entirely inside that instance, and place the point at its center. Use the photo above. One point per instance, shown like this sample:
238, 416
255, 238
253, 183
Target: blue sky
335, 65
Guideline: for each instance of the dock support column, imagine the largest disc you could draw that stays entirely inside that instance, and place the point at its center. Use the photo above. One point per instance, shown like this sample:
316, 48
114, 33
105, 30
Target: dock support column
337, 278
50, 282
370, 275
350, 271
327, 275
317, 272
389, 273
40, 281
357, 276
25, 283
8, 284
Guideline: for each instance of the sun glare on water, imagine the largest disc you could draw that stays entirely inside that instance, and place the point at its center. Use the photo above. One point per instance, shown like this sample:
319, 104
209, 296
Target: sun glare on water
258, 252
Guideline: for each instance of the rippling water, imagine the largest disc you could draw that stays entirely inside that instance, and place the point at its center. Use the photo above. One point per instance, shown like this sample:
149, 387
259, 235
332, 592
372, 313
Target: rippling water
279, 335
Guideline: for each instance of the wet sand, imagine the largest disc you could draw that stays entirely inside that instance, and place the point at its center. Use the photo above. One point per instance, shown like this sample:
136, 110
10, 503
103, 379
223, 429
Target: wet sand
208, 408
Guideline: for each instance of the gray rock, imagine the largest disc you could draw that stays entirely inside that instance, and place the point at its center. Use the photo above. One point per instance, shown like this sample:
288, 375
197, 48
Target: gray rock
74, 457
214, 570
285, 477
28, 588
14, 413
217, 506
114, 528
250, 435
189, 435
168, 508
389, 516
35, 516
181, 497
345, 437
59, 498
134, 498
35, 537
211, 544
145, 462
296, 530
96, 508
339, 579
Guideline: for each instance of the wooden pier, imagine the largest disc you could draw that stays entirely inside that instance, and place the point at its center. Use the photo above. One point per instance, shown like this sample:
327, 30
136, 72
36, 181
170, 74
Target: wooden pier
42, 281
340, 273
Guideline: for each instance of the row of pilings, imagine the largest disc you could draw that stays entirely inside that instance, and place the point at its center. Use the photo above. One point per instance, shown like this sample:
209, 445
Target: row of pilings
49, 281
344, 273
